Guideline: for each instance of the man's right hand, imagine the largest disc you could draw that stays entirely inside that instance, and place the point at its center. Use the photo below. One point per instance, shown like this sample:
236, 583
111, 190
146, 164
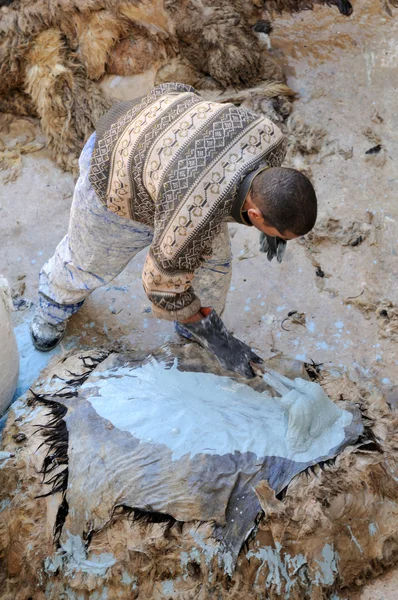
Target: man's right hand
210, 332
204, 312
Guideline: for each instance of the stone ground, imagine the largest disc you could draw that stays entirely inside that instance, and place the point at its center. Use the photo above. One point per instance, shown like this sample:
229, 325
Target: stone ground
346, 73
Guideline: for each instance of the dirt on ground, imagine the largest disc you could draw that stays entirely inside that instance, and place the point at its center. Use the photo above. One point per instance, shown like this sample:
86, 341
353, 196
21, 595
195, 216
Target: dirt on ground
333, 298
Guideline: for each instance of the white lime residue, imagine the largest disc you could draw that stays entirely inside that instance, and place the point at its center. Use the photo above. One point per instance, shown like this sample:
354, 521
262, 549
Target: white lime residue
328, 566
282, 570
20, 409
373, 527
127, 580
168, 586
4, 504
194, 555
201, 413
4, 458
225, 559
208, 550
310, 411
354, 539
73, 557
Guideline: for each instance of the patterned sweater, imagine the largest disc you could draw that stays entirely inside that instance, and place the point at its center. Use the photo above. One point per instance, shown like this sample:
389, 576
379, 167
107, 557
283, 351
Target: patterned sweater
175, 161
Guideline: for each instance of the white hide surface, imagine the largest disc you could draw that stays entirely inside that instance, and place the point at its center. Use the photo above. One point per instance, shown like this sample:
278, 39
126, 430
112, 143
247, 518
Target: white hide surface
195, 413
9, 357
310, 410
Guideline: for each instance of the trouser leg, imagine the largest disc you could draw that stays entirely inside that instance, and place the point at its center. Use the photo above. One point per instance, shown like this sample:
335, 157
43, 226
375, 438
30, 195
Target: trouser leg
212, 280
98, 246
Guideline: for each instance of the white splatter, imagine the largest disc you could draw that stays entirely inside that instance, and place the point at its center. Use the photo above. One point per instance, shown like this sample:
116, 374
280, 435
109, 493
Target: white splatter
373, 528
328, 566
73, 557
214, 415
354, 539
168, 586
281, 571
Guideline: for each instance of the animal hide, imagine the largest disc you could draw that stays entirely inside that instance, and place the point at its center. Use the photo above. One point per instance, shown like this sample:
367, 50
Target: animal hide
52, 53
67, 101
333, 527
344, 6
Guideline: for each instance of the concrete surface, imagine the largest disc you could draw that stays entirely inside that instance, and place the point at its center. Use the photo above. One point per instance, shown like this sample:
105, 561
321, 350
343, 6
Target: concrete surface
346, 72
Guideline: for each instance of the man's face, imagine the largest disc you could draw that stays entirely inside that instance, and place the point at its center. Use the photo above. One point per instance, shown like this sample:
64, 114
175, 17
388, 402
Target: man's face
272, 232
259, 222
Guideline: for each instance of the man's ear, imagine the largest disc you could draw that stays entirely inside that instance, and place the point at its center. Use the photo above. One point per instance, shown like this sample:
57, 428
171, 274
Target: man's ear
255, 215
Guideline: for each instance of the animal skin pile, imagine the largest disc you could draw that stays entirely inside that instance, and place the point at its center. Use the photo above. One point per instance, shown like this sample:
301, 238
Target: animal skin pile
109, 490
52, 54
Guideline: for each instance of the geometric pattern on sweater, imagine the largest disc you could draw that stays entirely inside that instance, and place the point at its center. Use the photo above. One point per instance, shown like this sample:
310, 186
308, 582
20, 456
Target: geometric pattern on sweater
175, 162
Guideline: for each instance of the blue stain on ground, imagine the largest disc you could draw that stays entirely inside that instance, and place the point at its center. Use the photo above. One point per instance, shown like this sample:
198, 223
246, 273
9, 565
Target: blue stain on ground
118, 288
31, 361
311, 326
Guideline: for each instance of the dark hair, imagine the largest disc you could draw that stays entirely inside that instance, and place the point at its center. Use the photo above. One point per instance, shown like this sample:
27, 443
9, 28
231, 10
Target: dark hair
286, 198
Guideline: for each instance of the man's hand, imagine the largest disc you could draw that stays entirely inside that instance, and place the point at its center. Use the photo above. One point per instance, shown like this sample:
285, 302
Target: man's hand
272, 246
210, 332
204, 312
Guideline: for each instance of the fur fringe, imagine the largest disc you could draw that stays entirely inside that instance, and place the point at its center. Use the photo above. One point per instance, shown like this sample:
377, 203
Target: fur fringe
56, 437
52, 53
54, 470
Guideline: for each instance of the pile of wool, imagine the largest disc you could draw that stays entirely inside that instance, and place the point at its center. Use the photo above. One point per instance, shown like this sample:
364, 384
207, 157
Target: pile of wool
52, 54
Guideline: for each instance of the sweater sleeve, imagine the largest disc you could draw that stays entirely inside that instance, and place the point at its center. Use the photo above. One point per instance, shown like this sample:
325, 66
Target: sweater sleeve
172, 260
170, 291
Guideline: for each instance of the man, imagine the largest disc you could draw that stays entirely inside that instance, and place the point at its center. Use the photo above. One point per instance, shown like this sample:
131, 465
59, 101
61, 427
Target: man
169, 171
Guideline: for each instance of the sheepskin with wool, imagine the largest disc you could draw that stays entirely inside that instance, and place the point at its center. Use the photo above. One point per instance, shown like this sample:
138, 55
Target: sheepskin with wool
79, 515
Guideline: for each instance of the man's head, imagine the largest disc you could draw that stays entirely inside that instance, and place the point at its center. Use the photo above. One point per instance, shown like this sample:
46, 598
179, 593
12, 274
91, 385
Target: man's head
282, 203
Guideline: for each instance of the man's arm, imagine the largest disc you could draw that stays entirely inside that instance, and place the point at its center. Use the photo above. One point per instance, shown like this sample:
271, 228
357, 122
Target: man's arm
196, 317
210, 332
173, 298
169, 289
